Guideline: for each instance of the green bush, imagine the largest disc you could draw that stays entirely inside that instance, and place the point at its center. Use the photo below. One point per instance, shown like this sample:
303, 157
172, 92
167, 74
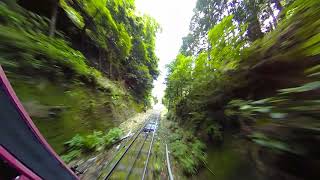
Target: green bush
112, 136
87, 143
71, 155
75, 143
92, 142
214, 131
187, 150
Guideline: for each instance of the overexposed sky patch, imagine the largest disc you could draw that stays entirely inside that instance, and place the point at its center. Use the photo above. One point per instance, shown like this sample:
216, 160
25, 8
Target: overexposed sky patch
174, 17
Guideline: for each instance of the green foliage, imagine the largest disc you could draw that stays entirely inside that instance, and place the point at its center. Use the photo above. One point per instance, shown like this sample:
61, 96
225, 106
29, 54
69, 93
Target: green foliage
106, 38
92, 142
96, 16
279, 107
214, 76
50, 50
112, 136
128, 38
189, 74
214, 130
187, 150
71, 155
178, 83
266, 85
192, 80
253, 13
294, 106
125, 42
157, 158
26, 47
265, 141
95, 140
76, 142
306, 87
25, 21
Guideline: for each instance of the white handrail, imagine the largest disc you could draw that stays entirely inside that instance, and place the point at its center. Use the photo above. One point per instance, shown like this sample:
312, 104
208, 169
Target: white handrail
168, 164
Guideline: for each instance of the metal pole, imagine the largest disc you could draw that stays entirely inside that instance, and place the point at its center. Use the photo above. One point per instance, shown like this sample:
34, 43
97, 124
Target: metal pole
168, 164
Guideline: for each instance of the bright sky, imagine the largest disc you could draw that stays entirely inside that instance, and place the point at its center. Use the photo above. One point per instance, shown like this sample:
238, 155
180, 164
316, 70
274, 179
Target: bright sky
174, 17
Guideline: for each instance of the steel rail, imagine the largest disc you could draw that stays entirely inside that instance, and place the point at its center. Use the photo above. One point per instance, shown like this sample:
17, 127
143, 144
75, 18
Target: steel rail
149, 152
168, 164
126, 150
137, 156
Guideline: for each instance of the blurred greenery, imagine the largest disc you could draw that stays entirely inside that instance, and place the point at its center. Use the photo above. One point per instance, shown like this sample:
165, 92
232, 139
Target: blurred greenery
61, 111
234, 71
36, 52
96, 141
246, 65
113, 26
128, 40
186, 149
78, 66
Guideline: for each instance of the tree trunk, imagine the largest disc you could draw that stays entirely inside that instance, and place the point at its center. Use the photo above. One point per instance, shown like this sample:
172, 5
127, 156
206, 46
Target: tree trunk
254, 30
53, 20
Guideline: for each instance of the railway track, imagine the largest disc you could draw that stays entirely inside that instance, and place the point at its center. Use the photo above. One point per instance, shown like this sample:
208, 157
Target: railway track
131, 161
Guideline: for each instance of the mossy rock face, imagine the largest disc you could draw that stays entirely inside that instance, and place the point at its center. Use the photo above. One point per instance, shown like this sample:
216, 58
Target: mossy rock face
61, 110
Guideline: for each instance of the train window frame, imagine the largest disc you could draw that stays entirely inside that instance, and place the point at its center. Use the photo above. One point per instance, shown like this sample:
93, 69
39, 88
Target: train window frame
13, 164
